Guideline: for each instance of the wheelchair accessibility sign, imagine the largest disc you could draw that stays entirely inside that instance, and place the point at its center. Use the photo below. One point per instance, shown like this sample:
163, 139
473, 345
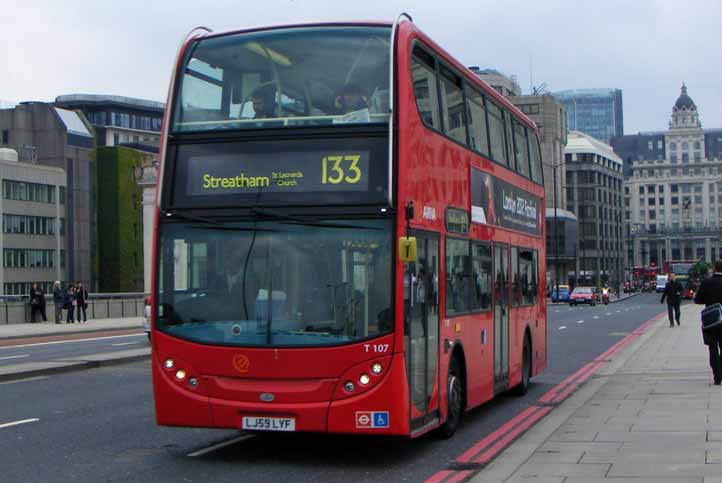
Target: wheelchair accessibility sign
372, 419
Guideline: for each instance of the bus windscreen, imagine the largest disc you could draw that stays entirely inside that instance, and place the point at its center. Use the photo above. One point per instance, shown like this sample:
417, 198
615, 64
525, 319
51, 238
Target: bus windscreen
276, 283
292, 77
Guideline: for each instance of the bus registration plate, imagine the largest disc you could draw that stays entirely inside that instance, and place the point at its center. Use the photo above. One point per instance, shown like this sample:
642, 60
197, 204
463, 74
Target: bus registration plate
255, 423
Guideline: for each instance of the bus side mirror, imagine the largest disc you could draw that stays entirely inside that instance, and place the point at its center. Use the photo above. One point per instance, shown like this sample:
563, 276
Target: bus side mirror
407, 249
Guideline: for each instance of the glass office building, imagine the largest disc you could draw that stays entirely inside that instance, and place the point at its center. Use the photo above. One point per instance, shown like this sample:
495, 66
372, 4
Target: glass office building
596, 112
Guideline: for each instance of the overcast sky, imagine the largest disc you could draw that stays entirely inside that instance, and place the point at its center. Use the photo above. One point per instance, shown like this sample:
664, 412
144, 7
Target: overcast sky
647, 48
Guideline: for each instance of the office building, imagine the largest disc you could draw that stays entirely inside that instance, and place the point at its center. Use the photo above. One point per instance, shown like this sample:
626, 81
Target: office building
32, 239
45, 135
550, 118
117, 119
505, 85
596, 112
673, 197
594, 193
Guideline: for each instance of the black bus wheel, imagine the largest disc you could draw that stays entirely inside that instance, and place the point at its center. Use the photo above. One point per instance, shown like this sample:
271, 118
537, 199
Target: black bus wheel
454, 401
523, 386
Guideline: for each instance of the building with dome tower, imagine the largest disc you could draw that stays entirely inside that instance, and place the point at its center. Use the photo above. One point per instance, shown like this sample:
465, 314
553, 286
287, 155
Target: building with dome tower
673, 190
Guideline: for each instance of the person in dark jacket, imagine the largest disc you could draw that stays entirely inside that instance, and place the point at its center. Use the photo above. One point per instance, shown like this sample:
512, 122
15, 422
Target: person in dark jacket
37, 302
673, 293
82, 296
59, 301
709, 293
71, 302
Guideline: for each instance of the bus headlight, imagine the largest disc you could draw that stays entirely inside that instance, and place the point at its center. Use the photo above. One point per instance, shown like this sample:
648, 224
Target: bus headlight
348, 386
364, 379
180, 374
376, 368
169, 363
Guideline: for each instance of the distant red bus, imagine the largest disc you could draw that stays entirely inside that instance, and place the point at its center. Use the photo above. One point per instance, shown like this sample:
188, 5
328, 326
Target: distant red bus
296, 160
679, 267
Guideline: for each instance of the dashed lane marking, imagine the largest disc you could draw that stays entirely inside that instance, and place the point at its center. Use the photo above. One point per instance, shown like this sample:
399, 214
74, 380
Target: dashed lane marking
562, 327
220, 445
16, 423
596, 316
14, 357
29, 379
580, 321
608, 313
74, 340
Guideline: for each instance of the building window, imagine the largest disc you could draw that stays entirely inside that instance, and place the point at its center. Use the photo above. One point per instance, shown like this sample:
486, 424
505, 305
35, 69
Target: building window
21, 191
6, 136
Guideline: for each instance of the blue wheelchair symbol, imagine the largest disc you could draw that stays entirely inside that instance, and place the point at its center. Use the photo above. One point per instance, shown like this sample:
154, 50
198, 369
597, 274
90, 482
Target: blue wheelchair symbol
381, 419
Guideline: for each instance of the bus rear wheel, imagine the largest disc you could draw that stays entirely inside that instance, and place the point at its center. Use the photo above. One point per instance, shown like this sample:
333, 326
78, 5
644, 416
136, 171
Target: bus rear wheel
523, 386
454, 401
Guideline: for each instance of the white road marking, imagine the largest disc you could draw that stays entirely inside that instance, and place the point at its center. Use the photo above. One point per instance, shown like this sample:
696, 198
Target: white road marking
201, 452
15, 423
608, 313
76, 340
14, 357
124, 343
580, 321
596, 316
24, 380
618, 311
556, 311
562, 327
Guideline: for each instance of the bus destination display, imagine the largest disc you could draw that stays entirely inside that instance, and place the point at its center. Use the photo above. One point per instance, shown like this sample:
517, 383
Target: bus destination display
278, 172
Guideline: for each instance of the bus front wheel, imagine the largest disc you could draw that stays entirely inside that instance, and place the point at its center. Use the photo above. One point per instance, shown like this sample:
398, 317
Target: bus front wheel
454, 401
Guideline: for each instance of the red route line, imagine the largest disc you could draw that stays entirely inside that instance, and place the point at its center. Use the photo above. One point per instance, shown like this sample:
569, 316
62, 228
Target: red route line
566, 392
509, 425
458, 476
487, 455
549, 395
438, 477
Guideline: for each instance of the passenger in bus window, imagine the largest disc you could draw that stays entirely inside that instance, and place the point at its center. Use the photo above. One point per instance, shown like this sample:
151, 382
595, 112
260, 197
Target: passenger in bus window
350, 98
264, 102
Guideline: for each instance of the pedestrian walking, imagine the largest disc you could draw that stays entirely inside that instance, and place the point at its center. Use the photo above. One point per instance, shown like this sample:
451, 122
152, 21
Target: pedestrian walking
82, 297
709, 293
58, 301
673, 293
71, 301
37, 303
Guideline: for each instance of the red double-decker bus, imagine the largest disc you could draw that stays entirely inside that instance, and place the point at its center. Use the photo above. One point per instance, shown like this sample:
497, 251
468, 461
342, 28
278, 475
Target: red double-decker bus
349, 237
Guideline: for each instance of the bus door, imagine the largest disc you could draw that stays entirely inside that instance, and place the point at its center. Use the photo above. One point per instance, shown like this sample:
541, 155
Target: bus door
501, 317
421, 329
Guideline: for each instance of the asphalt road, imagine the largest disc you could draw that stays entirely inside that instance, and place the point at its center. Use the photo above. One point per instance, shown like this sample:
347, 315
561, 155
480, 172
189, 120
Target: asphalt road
98, 425
35, 351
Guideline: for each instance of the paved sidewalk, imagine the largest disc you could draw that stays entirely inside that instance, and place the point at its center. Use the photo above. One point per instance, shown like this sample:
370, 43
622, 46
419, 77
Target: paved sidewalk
651, 414
43, 329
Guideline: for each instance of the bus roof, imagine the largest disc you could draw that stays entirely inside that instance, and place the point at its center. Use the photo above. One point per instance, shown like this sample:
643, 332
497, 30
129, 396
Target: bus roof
296, 25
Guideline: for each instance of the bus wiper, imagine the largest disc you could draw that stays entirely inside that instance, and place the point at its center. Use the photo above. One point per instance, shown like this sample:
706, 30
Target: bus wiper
304, 221
208, 221
186, 216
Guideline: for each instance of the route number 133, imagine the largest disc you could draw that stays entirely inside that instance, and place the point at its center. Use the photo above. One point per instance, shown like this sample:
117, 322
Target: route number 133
341, 169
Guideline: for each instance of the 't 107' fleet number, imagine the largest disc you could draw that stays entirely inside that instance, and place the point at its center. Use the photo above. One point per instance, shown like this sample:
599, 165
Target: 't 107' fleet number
376, 348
